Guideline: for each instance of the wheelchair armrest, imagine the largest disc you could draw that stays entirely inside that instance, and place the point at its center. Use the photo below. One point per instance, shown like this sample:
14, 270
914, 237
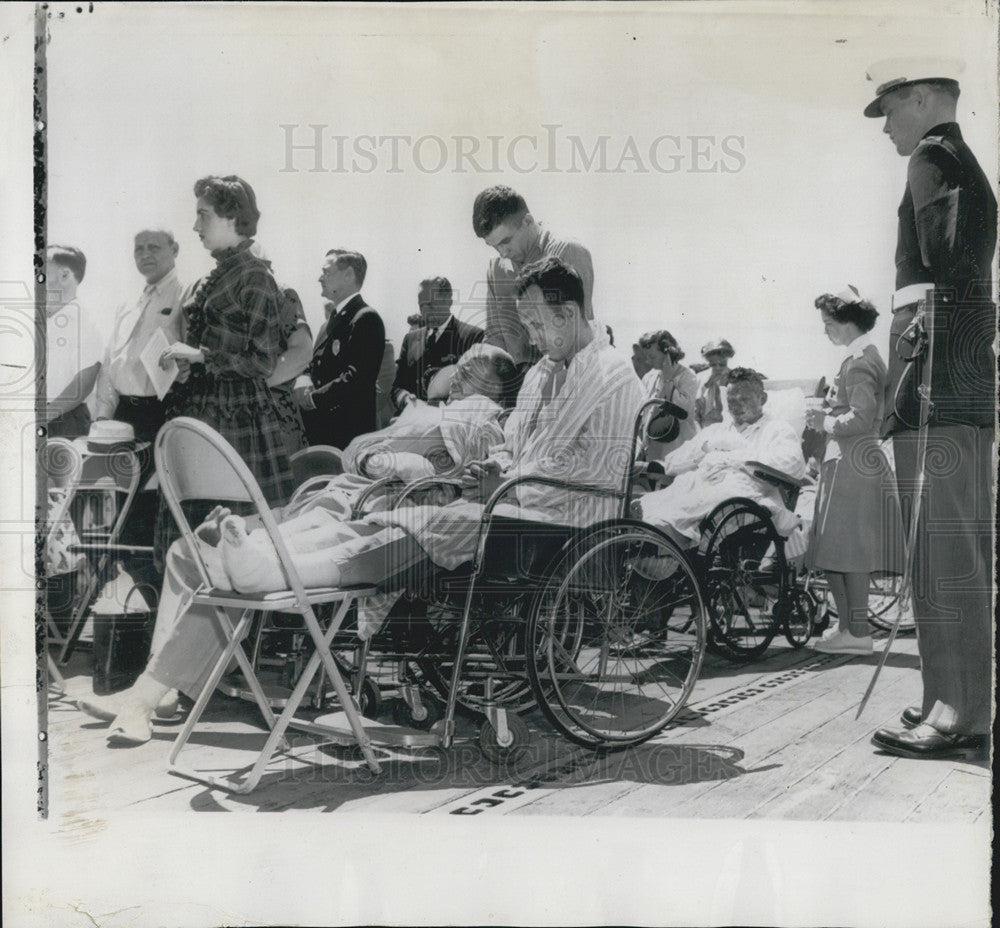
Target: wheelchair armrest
424, 483
357, 510
649, 476
307, 486
553, 482
772, 475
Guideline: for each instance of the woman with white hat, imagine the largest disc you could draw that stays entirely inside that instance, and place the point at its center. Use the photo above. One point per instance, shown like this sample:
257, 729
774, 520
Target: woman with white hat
710, 400
857, 529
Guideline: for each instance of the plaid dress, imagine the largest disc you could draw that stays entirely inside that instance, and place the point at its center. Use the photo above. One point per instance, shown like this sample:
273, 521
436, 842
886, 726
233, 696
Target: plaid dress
292, 316
235, 315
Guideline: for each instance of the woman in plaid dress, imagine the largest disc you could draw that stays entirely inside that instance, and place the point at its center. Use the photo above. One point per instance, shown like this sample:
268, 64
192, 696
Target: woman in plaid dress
234, 335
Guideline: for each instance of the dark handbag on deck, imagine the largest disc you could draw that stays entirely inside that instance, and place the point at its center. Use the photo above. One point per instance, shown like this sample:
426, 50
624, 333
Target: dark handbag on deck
121, 644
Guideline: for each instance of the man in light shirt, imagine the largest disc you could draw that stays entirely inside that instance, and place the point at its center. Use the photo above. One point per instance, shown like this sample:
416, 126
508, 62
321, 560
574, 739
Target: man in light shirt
124, 390
73, 345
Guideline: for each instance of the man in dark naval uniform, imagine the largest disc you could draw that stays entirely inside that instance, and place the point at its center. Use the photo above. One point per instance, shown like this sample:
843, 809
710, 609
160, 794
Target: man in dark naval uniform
947, 235
337, 393
441, 340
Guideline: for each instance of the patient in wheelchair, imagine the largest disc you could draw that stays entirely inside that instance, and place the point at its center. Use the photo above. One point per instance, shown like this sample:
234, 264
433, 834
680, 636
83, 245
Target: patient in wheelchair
423, 441
572, 421
712, 467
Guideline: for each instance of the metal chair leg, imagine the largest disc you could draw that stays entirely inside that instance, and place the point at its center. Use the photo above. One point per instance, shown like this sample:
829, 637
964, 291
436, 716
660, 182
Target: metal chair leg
235, 635
80, 612
278, 726
56, 681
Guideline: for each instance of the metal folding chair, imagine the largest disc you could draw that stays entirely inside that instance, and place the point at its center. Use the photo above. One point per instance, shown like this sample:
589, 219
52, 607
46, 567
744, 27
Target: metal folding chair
99, 502
194, 462
62, 462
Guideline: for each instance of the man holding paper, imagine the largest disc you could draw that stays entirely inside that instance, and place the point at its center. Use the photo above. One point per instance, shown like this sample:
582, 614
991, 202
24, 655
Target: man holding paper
124, 389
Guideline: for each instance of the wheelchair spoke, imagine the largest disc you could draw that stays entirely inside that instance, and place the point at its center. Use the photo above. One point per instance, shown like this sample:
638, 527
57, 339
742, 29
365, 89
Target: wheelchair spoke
643, 641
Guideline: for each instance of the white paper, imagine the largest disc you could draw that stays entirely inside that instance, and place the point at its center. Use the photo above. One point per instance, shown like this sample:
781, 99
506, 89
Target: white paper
161, 377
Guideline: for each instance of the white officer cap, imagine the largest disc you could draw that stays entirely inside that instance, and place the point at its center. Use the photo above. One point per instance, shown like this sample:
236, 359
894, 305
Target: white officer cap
893, 73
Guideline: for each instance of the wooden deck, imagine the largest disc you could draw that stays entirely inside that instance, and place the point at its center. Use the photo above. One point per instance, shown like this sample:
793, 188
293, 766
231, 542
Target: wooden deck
774, 740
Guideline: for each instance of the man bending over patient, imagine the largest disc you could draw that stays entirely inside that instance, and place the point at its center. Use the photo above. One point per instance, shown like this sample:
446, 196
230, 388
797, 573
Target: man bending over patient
711, 468
573, 421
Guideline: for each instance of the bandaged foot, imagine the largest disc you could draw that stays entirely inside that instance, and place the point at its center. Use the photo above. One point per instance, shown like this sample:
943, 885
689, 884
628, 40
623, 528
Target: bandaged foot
250, 560
131, 727
207, 537
211, 527
104, 708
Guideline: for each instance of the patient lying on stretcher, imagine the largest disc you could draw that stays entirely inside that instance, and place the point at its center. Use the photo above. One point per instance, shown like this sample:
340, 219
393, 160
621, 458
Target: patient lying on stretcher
711, 467
427, 440
423, 441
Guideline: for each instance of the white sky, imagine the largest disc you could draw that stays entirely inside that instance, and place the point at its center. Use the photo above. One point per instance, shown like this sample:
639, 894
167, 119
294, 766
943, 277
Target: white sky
143, 101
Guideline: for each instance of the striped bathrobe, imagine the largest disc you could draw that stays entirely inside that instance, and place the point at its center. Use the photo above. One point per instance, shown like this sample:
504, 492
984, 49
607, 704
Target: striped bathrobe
577, 429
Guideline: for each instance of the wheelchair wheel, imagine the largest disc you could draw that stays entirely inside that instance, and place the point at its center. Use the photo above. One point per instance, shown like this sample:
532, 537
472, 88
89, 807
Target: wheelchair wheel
403, 714
370, 699
798, 612
746, 577
617, 635
495, 655
883, 599
504, 754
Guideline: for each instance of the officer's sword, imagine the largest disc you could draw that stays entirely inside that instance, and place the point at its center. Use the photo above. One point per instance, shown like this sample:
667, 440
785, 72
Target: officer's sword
925, 313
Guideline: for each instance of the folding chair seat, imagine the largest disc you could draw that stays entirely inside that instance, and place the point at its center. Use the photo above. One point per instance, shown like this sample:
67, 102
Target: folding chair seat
195, 463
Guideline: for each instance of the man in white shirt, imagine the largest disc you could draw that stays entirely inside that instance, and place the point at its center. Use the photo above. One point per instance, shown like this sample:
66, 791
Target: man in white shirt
573, 421
73, 345
124, 390
711, 468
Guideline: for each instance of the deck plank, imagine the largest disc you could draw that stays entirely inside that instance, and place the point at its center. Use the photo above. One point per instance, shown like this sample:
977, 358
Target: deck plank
774, 739
744, 740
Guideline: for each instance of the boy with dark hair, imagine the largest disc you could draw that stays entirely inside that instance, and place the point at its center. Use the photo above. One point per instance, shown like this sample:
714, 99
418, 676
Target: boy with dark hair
74, 346
500, 217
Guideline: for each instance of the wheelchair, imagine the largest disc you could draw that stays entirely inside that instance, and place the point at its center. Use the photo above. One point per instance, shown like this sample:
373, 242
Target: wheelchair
751, 589
602, 628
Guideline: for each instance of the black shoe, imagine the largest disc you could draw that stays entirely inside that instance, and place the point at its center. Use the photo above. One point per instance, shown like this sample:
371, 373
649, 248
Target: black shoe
927, 742
911, 717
